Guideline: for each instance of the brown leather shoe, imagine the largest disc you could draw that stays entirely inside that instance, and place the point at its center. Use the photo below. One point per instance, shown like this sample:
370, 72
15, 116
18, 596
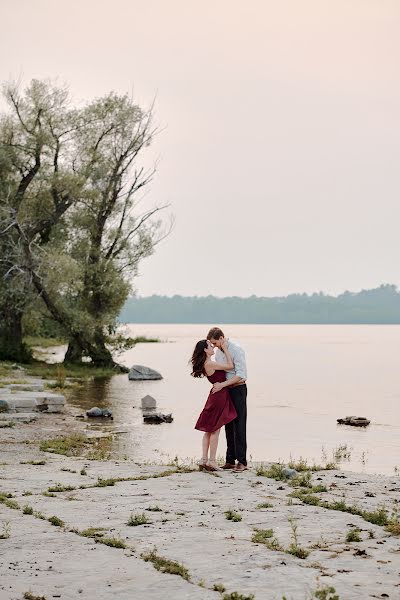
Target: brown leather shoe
228, 466
240, 468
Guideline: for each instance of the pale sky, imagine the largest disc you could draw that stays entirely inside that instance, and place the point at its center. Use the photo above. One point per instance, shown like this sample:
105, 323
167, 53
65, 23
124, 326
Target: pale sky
280, 144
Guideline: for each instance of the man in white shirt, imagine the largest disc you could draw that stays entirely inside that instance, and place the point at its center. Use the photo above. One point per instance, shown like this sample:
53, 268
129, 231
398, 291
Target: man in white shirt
236, 383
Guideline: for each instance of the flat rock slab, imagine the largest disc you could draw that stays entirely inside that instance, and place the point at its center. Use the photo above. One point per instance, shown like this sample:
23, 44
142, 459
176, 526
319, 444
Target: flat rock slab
19, 417
34, 401
26, 387
190, 527
141, 373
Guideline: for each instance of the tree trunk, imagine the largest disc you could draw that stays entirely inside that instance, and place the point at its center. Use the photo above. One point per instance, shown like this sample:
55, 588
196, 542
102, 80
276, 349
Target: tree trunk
74, 353
12, 346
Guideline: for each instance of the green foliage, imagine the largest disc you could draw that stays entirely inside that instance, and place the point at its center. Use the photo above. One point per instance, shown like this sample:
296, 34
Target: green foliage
260, 536
231, 515
113, 542
135, 520
72, 240
165, 565
353, 535
56, 521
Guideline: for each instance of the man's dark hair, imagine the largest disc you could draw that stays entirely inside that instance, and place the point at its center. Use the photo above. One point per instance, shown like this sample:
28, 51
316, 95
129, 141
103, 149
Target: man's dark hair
215, 333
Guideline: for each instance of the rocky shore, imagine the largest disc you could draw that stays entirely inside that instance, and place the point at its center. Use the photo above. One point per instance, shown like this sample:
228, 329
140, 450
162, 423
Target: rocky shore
73, 527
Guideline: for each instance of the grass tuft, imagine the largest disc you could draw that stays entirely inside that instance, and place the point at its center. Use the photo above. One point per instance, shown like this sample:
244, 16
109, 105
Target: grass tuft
353, 535
56, 521
113, 542
165, 565
59, 487
231, 515
260, 536
27, 510
135, 520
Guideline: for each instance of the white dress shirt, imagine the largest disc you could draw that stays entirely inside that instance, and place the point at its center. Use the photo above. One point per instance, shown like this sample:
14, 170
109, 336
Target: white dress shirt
238, 358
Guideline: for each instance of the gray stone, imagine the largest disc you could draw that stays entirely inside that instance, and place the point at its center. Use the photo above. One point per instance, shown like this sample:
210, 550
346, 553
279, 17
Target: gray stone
148, 402
34, 401
141, 373
96, 412
156, 418
289, 473
4, 406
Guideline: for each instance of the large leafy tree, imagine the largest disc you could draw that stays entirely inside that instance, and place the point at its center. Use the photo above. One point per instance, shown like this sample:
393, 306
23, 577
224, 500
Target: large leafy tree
69, 186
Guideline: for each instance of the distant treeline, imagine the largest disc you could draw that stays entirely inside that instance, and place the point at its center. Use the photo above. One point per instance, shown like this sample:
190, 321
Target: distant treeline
379, 305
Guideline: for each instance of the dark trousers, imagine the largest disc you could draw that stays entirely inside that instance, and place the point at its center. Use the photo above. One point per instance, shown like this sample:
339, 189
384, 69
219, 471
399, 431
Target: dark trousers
236, 430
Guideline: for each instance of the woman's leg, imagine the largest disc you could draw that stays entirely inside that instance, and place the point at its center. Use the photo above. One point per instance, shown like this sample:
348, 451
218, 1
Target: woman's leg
213, 446
205, 446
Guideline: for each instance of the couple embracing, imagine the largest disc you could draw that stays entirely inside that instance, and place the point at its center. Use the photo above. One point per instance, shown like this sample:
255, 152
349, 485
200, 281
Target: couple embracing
226, 404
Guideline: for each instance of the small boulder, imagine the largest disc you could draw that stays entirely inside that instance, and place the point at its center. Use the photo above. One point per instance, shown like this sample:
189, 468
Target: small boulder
141, 373
354, 421
289, 473
4, 407
148, 403
99, 412
156, 418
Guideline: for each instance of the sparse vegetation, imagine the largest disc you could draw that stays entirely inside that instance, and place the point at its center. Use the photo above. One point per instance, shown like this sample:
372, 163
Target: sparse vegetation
33, 462
92, 532
260, 536
353, 535
135, 520
78, 444
59, 487
294, 547
264, 505
165, 565
157, 509
105, 482
30, 596
231, 515
113, 542
274, 471
6, 531
56, 521
27, 510
83, 471
237, 596
38, 515
218, 587
325, 593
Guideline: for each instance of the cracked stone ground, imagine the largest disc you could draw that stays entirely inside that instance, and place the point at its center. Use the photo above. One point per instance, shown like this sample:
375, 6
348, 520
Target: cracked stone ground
191, 529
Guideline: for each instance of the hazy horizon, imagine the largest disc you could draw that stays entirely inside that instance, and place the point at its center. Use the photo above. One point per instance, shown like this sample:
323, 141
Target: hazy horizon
279, 131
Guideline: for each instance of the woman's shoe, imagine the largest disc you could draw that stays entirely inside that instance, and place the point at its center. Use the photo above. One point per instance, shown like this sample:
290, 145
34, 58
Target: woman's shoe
211, 466
202, 464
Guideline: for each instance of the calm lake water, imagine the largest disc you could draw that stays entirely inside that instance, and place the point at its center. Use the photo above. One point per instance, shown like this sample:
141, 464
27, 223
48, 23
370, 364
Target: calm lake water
301, 379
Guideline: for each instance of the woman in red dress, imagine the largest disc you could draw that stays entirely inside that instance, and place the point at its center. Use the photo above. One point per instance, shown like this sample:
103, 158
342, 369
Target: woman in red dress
219, 409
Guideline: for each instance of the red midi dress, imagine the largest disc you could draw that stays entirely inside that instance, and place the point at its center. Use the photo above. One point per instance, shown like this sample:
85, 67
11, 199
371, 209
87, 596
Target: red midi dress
219, 409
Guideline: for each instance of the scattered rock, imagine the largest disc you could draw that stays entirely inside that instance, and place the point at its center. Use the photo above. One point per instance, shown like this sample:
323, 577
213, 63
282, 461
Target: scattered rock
289, 473
370, 494
141, 373
156, 418
148, 402
354, 421
96, 412
4, 406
